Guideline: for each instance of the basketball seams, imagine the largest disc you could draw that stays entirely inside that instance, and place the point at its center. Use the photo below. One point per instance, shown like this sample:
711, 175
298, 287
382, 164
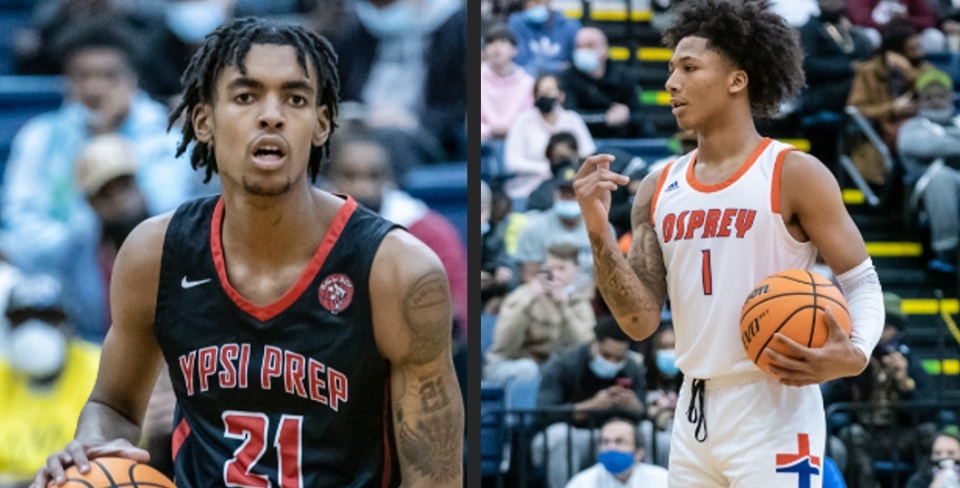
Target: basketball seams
113, 484
798, 293
765, 344
78, 480
813, 325
791, 278
133, 483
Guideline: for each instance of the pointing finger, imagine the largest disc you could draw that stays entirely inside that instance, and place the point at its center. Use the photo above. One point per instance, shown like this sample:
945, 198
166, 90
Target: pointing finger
598, 161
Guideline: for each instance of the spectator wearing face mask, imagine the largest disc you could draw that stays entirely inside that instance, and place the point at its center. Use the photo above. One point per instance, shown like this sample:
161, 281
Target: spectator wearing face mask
506, 90
935, 134
621, 450
562, 150
45, 379
545, 37
945, 451
524, 149
595, 85
595, 381
541, 318
663, 377
562, 223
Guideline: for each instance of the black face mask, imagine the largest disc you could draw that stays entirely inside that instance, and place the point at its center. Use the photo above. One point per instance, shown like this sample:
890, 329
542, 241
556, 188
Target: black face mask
832, 16
545, 104
117, 231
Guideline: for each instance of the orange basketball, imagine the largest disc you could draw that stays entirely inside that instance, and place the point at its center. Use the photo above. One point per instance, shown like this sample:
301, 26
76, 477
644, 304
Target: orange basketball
793, 303
110, 472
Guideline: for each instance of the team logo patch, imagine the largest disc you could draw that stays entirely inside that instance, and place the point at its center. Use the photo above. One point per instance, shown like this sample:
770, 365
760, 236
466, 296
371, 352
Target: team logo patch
336, 292
801, 463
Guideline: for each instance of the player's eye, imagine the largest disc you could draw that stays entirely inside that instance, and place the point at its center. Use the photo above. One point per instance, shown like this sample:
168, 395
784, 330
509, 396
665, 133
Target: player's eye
688, 68
298, 101
243, 98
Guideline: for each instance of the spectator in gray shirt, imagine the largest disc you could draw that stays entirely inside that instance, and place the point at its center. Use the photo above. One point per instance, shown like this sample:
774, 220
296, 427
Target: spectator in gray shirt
935, 134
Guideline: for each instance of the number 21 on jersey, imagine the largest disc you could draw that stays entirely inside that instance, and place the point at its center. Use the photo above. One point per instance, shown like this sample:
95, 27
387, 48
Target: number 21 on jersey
252, 428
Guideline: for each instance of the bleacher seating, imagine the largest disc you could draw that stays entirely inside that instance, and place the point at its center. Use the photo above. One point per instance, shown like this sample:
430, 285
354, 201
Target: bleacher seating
444, 188
492, 402
14, 15
487, 325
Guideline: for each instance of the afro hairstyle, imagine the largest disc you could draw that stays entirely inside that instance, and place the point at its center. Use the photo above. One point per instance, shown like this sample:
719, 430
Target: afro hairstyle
754, 38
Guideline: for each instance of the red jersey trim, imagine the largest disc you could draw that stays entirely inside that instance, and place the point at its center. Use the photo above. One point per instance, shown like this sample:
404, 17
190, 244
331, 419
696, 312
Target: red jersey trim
656, 193
775, 192
696, 185
272, 310
180, 436
387, 467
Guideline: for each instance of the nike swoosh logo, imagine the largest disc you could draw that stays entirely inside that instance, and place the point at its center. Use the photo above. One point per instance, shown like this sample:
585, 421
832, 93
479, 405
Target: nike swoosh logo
190, 284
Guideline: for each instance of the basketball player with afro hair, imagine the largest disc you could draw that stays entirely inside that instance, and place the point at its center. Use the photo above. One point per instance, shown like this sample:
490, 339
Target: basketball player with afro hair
713, 224
308, 340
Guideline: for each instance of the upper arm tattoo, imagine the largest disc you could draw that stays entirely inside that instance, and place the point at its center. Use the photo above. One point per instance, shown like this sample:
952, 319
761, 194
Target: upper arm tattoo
646, 256
426, 313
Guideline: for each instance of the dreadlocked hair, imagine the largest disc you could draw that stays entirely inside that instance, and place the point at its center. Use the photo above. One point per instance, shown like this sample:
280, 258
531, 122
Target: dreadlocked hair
757, 40
228, 45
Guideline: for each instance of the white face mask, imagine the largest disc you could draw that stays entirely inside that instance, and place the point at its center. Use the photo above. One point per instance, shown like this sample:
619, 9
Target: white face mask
37, 348
191, 21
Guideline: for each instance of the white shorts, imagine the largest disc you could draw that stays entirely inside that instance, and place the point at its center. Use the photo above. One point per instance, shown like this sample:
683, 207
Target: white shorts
759, 434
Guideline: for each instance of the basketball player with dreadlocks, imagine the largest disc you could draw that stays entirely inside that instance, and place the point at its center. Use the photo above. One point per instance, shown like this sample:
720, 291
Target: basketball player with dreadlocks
308, 340
713, 224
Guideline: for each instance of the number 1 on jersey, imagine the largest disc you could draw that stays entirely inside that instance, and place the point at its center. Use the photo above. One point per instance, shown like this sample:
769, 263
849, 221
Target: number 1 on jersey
707, 279
252, 428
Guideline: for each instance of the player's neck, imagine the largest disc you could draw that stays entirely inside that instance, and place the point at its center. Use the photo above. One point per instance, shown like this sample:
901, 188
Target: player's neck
274, 230
727, 141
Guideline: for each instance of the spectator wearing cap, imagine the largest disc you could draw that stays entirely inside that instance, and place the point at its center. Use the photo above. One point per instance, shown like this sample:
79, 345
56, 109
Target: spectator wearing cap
562, 223
364, 167
107, 174
541, 318
45, 379
47, 225
546, 37
592, 383
596, 85
562, 151
524, 149
935, 135
506, 90
946, 447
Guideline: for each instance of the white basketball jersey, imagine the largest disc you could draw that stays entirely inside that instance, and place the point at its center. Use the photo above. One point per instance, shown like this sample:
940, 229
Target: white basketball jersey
718, 242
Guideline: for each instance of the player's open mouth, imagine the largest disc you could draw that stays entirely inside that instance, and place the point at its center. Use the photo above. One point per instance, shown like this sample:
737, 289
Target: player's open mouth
677, 105
269, 152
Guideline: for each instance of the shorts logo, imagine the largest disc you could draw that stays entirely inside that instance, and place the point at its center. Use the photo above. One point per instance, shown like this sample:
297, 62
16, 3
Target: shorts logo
336, 292
801, 463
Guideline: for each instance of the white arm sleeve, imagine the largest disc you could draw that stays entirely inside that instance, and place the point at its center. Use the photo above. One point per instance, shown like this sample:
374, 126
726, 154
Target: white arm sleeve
861, 288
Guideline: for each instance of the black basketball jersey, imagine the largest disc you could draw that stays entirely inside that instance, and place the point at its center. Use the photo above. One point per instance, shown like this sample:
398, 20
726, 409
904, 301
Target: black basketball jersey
294, 394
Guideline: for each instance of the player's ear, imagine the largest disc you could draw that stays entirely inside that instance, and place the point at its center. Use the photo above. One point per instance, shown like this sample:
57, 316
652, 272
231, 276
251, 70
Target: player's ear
738, 81
322, 130
202, 117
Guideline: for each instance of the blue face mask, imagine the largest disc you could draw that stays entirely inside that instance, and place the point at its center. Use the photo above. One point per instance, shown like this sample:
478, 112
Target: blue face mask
605, 369
191, 21
484, 228
586, 60
537, 15
616, 462
665, 362
387, 21
567, 209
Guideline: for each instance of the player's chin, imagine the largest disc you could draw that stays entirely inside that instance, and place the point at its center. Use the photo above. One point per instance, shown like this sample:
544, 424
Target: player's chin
267, 187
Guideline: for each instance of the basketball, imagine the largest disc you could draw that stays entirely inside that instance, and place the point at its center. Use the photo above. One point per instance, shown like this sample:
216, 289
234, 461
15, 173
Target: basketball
115, 473
793, 303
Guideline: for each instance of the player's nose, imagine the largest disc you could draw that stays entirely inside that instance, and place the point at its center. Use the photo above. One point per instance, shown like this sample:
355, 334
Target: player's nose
271, 117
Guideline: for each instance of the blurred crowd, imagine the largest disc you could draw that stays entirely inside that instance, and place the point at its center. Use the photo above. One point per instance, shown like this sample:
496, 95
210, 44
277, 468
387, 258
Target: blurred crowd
553, 92
81, 177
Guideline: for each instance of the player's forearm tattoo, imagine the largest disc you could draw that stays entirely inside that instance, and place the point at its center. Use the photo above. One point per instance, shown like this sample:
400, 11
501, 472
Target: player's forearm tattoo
433, 394
646, 256
426, 312
433, 444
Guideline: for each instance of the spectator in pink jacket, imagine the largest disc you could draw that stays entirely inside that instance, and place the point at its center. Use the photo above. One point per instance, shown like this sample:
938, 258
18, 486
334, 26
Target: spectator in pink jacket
506, 90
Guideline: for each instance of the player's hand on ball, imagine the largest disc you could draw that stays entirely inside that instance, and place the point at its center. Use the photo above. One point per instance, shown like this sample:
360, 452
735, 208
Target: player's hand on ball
80, 454
807, 366
593, 186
